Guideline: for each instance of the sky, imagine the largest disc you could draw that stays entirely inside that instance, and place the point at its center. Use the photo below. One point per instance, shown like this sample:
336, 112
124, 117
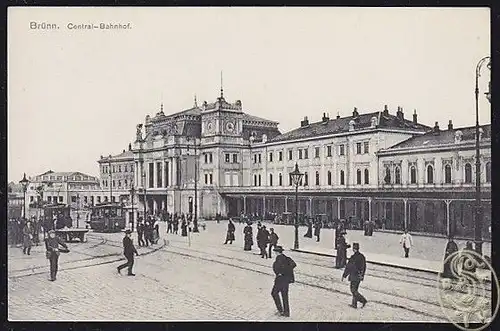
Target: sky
74, 95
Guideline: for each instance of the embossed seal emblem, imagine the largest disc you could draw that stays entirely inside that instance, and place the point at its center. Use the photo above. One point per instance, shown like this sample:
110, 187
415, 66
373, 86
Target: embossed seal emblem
464, 290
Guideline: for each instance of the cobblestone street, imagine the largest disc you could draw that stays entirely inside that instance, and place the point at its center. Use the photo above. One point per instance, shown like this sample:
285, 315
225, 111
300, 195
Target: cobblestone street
205, 280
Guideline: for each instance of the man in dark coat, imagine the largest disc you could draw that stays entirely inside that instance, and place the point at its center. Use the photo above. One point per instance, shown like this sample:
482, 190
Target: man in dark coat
129, 251
283, 268
273, 241
52, 246
169, 225
317, 229
263, 240
140, 233
248, 235
451, 247
355, 269
309, 229
184, 228
341, 258
230, 232
175, 223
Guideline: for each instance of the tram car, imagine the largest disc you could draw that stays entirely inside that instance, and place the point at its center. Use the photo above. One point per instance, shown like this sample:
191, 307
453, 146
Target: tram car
57, 216
107, 217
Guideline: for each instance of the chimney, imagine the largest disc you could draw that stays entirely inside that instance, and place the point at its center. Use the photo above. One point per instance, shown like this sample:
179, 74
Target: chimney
450, 125
355, 112
305, 122
386, 111
436, 128
129, 146
415, 116
400, 113
338, 115
325, 118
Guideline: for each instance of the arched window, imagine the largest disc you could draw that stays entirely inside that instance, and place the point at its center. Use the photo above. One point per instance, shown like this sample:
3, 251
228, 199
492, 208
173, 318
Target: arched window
367, 176
280, 179
306, 179
329, 177
254, 180
358, 176
430, 174
317, 177
468, 173
413, 175
342, 180
488, 172
270, 179
447, 174
387, 177
397, 175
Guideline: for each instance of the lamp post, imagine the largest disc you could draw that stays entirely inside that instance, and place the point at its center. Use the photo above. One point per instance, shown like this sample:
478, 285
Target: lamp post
132, 193
195, 219
296, 176
143, 175
24, 182
479, 210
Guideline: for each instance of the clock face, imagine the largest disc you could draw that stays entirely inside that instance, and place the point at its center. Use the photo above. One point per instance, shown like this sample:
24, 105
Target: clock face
230, 127
210, 127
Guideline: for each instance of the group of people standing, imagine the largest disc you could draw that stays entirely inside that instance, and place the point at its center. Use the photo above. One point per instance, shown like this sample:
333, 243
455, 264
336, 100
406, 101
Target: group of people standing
148, 232
263, 238
174, 221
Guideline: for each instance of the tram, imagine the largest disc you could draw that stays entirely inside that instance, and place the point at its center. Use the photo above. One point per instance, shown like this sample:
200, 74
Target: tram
57, 216
107, 217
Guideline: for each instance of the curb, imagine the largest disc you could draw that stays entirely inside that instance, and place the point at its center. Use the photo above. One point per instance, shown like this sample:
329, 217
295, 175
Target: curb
371, 262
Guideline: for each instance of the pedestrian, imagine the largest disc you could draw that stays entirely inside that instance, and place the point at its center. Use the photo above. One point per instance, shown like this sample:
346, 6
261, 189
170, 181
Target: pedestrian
27, 238
309, 233
451, 247
52, 252
230, 232
248, 235
148, 233
184, 228
355, 269
273, 241
407, 242
156, 227
129, 251
176, 224
283, 268
169, 225
263, 241
341, 258
317, 229
140, 233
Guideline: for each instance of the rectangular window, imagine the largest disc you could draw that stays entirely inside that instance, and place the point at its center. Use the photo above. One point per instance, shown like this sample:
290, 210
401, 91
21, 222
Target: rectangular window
270, 179
206, 178
270, 156
358, 148
60, 199
366, 146
290, 155
73, 199
306, 153
85, 199
119, 183
254, 180
280, 180
235, 158
342, 150
255, 158
206, 158
328, 151
280, 156
159, 172
260, 182
113, 199
92, 200
115, 185
211, 178
98, 199
300, 154
260, 159
211, 158
316, 152
228, 158
151, 174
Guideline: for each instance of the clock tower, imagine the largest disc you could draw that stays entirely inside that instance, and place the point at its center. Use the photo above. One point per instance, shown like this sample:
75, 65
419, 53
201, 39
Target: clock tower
221, 118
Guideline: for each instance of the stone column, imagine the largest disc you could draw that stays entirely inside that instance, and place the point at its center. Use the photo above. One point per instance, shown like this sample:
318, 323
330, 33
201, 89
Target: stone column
369, 209
286, 204
155, 174
310, 206
448, 223
244, 204
155, 205
264, 206
338, 208
166, 173
406, 213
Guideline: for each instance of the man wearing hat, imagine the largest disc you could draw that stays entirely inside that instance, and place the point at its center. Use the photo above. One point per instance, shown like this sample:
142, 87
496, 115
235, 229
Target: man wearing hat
52, 245
355, 269
129, 251
283, 268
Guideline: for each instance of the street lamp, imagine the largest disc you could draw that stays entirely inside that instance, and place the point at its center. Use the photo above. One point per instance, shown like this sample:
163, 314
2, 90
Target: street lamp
132, 193
479, 210
296, 176
143, 175
195, 219
24, 182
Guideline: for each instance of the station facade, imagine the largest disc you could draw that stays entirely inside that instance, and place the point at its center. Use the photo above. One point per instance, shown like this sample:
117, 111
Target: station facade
373, 165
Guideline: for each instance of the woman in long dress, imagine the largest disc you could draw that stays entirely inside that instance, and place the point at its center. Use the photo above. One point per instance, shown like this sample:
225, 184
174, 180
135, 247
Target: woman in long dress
184, 228
248, 232
230, 232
